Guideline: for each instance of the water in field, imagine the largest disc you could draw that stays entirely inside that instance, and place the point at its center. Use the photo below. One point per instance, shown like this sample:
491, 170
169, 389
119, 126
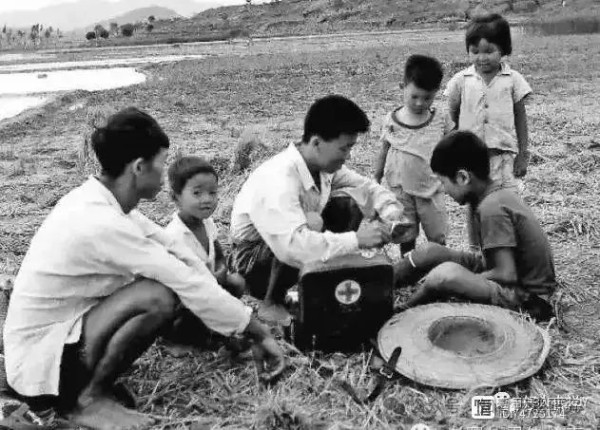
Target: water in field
13, 105
27, 85
104, 62
66, 80
22, 91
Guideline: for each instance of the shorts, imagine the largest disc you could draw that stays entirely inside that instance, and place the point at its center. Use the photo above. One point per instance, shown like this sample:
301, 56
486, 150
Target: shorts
429, 213
502, 168
509, 297
254, 261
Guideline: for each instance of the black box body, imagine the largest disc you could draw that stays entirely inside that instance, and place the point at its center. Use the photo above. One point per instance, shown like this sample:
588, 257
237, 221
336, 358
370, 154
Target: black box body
343, 302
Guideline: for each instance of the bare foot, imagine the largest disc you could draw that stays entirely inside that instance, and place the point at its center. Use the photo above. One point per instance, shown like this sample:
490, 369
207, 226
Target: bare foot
106, 414
274, 313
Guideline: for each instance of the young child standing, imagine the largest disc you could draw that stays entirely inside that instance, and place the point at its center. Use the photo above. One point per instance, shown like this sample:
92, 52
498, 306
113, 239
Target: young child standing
194, 188
409, 135
488, 98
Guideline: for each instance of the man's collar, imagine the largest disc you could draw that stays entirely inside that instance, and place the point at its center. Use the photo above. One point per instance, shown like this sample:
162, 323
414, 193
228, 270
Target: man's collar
306, 178
94, 183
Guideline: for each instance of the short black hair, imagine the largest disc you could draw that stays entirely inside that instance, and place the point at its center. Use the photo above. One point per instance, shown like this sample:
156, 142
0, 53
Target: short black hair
423, 71
128, 134
334, 115
493, 28
183, 168
461, 150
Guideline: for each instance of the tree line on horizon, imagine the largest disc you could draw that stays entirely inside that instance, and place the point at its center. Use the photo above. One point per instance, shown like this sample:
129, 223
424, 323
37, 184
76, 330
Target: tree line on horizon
36, 36
126, 30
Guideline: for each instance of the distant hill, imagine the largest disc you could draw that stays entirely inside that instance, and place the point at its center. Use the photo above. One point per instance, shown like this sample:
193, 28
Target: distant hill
289, 17
82, 13
133, 16
143, 13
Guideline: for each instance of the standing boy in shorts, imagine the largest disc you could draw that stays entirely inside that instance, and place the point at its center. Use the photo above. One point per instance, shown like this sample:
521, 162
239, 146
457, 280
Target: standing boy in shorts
410, 133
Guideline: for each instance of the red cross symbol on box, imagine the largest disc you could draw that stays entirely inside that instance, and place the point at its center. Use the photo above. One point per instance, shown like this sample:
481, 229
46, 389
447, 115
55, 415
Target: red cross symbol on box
348, 292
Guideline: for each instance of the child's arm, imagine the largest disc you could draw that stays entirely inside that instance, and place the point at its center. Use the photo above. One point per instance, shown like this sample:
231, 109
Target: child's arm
380, 162
220, 264
503, 268
454, 110
522, 158
453, 92
232, 282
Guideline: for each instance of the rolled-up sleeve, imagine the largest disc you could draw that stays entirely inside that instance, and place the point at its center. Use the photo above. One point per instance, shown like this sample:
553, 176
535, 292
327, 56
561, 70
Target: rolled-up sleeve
278, 217
368, 194
126, 247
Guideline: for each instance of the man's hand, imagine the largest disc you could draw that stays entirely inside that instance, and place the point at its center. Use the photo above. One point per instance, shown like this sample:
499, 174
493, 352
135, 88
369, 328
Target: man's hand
314, 221
372, 233
268, 357
521, 163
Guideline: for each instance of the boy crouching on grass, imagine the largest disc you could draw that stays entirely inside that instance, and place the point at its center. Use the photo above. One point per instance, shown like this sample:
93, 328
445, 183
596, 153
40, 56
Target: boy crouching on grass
515, 269
87, 304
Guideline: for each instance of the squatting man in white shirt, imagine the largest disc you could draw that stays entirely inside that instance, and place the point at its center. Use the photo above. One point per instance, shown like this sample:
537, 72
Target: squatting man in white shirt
100, 282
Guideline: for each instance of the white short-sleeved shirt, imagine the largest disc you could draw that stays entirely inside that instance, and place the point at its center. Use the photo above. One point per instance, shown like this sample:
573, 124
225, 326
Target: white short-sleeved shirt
411, 147
180, 232
85, 250
488, 110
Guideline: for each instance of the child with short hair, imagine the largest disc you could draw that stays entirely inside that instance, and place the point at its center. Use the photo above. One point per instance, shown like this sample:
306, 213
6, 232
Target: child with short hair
410, 132
515, 269
194, 188
488, 98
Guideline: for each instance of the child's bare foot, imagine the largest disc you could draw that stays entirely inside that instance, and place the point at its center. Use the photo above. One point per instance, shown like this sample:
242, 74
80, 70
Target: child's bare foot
103, 413
274, 313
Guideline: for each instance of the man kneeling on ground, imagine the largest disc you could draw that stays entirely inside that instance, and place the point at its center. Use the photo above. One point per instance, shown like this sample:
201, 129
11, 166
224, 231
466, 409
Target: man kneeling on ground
99, 283
303, 205
515, 268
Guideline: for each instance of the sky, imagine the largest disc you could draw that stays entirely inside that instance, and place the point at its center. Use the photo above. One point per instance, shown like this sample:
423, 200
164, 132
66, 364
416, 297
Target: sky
8, 5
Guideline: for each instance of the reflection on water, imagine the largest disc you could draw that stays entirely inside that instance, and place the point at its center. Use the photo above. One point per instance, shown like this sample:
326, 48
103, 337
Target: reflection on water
66, 80
14, 105
106, 62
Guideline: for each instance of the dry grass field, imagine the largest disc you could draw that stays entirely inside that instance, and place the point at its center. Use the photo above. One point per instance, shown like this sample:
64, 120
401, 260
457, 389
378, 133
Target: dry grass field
206, 105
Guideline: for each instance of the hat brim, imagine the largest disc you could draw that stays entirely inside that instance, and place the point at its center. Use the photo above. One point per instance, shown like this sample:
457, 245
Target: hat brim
491, 347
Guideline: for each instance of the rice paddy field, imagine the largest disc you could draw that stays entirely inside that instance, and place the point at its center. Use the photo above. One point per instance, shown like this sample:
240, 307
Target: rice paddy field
261, 92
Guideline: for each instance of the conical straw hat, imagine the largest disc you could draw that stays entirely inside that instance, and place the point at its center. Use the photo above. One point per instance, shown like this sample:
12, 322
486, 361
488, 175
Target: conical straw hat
463, 345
